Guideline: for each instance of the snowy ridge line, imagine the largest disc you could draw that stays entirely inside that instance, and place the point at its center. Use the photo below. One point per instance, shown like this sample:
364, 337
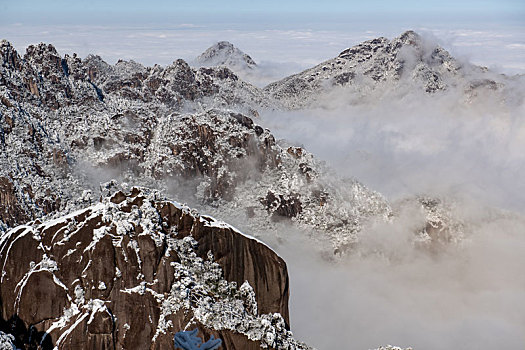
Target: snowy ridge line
52, 222
221, 224
203, 218
410, 63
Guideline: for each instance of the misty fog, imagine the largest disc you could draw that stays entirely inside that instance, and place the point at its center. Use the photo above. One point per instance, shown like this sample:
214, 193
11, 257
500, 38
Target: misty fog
419, 143
400, 143
466, 298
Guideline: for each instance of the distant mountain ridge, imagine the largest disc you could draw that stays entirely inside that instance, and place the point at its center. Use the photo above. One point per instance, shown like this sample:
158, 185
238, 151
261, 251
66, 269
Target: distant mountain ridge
409, 62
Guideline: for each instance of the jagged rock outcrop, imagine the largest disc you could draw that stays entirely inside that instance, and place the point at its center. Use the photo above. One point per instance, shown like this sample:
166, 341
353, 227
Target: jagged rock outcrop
131, 271
43, 77
442, 226
224, 53
53, 109
409, 63
11, 211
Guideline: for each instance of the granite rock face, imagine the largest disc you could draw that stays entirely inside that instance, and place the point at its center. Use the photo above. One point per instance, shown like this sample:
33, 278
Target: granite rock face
11, 211
131, 271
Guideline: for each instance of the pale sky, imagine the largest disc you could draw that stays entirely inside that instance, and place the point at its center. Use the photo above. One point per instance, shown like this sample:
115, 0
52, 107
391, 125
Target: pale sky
167, 7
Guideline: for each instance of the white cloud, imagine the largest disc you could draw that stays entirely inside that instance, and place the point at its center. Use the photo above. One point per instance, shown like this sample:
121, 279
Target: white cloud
163, 43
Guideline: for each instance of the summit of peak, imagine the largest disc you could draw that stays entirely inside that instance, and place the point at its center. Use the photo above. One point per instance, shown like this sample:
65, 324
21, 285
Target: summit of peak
40, 49
224, 45
224, 53
5, 43
410, 35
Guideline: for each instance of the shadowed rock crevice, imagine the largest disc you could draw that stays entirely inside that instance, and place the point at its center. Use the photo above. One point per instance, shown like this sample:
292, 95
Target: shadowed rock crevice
28, 338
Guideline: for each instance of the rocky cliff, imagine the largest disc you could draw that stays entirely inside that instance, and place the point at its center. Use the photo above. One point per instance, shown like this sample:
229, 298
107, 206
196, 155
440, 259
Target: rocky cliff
131, 271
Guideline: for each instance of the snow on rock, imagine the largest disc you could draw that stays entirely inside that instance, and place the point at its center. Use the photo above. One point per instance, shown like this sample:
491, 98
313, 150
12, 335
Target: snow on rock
7, 341
406, 64
224, 53
62, 282
54, 108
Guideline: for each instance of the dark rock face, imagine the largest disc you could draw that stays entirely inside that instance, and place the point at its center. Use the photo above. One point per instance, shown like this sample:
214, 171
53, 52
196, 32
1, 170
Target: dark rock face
11, 211
281, 206
132, 271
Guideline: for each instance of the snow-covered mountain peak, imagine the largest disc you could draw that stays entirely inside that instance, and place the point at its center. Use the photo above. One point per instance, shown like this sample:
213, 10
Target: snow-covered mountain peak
8, 54
409, 38
409, 63
226, 54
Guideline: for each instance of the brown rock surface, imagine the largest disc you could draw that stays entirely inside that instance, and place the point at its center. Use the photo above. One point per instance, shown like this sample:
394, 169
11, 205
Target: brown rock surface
112, 275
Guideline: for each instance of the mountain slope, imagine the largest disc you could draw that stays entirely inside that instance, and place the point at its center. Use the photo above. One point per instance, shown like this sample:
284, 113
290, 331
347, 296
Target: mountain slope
406, 64
69, 124
90, 122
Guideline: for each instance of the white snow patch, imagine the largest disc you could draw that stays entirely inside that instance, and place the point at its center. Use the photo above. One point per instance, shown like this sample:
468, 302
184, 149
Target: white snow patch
210, 221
